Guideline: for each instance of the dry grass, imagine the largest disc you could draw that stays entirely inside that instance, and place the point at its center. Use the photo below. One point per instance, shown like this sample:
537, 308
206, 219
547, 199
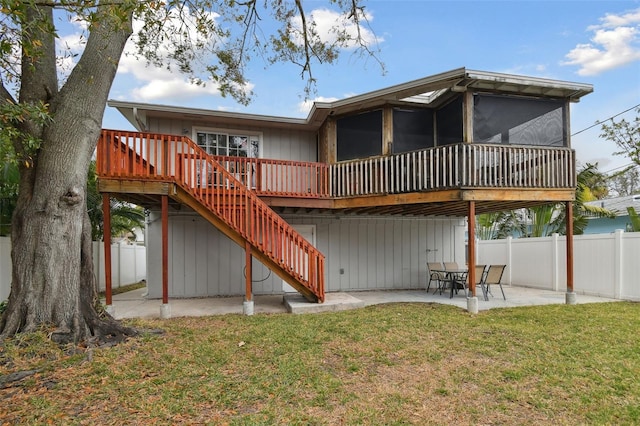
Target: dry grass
393, 364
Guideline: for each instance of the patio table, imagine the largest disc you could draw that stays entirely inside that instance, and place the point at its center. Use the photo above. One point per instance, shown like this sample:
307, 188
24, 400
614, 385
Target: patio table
454, 276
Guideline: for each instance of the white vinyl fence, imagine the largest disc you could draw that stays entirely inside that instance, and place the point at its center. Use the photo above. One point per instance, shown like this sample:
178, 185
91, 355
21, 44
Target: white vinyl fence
606, 265
128, 265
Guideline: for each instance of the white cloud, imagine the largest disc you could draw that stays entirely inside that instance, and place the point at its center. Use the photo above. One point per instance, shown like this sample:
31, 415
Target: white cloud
306, 105
155, 83
613, 21
329, 24
70, 46
175, 88
151, 83
615, 43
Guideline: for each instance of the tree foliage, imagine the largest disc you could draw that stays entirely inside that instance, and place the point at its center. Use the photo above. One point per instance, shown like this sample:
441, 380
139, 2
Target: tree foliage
635, 219
625, 182
626, 135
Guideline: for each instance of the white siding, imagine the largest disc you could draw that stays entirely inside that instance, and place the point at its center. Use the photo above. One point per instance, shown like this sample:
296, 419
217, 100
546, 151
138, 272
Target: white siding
361, 254
380, 253
280, 144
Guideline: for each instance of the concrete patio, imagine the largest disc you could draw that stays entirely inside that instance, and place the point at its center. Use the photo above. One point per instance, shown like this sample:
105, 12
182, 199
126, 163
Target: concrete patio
133, 304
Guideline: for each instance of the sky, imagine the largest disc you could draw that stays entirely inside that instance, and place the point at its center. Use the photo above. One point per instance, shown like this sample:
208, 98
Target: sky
594, 42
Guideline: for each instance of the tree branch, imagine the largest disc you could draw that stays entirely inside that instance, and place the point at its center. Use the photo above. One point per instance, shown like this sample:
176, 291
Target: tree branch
5, 96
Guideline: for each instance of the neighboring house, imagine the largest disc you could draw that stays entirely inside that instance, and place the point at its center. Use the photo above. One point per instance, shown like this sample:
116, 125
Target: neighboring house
618, 205
357, 196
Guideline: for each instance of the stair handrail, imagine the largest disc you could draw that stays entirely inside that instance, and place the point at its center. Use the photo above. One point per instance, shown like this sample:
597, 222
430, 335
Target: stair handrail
178, 159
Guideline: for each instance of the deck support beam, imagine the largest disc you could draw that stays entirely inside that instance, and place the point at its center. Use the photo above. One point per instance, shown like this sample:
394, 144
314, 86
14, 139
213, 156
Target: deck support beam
247, 305
165, 311
571, 295
472, 299
106, 239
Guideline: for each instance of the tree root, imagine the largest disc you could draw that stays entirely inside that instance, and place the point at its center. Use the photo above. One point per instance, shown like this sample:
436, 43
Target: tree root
8, 379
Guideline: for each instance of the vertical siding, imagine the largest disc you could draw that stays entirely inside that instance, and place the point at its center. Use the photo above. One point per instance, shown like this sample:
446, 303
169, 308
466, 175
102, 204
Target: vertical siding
380, 253
282, 144
373, 253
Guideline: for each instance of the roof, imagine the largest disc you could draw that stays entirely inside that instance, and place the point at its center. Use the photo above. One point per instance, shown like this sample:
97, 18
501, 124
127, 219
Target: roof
618, 205
433, 91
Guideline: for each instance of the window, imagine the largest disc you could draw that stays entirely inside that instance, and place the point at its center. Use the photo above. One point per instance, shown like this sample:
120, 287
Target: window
359, 136
229, 144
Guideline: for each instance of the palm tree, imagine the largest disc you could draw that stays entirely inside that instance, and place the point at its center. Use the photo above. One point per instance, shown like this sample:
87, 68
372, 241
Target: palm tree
498, 225
582, 211
635, 219
547, 219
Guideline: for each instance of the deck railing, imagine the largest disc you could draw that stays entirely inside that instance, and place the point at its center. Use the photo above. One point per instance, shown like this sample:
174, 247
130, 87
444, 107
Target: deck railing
177, 159
285, 178
453, 166
444, 167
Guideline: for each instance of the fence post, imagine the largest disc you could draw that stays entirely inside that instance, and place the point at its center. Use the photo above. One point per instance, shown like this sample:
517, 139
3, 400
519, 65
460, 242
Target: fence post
555, 262
119, 265
509, 258
618, 253
135, 264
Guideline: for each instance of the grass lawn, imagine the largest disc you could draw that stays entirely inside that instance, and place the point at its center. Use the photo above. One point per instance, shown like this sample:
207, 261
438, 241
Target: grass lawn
387, 364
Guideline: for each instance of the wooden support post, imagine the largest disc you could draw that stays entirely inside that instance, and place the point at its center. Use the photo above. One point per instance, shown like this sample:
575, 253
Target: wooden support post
569, 226
165, 249
249, 278
472, 248
106, 238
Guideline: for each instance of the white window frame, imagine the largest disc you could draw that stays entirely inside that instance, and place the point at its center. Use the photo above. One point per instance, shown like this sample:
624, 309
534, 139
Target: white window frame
252, 135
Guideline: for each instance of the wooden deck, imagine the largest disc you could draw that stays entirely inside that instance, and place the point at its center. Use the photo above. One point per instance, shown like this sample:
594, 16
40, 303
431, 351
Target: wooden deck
435, 181
244, 197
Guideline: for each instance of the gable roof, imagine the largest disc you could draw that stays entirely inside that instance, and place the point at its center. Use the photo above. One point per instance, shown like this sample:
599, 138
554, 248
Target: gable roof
432, 91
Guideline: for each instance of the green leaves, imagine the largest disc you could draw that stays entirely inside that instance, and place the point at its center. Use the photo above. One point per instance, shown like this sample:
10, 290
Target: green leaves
625, 134
635, 219
13, 119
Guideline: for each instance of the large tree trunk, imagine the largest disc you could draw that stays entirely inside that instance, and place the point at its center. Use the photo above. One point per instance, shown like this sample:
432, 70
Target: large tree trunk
53, 281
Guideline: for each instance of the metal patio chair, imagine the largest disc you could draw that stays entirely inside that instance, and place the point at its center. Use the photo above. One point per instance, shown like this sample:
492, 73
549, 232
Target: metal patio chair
434, 275
493, 276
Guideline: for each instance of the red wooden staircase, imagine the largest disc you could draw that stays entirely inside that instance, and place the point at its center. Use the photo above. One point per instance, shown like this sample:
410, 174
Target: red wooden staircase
192, 177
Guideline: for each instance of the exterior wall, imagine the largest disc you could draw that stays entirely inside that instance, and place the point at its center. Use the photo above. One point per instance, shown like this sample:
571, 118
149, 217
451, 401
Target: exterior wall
281, 144
361, 254
603, 225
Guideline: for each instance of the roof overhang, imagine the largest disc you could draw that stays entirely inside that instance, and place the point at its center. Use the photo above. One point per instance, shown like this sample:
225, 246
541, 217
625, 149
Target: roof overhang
135, 112
437, 89
430, 91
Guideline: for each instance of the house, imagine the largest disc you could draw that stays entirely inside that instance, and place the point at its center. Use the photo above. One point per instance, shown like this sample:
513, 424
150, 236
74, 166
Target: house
357, 196
618, 205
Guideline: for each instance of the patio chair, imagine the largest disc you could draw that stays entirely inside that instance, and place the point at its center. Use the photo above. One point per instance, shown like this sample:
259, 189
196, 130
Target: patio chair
456, 281
493, 276
434, 275
480, 274
450, 266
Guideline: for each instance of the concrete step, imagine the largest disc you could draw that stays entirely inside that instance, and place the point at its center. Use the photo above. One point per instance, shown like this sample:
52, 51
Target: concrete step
295, 303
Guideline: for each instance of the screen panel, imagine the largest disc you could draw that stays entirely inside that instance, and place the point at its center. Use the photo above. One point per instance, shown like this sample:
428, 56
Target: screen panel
518, 121
449, 123
412, 129
359, 136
